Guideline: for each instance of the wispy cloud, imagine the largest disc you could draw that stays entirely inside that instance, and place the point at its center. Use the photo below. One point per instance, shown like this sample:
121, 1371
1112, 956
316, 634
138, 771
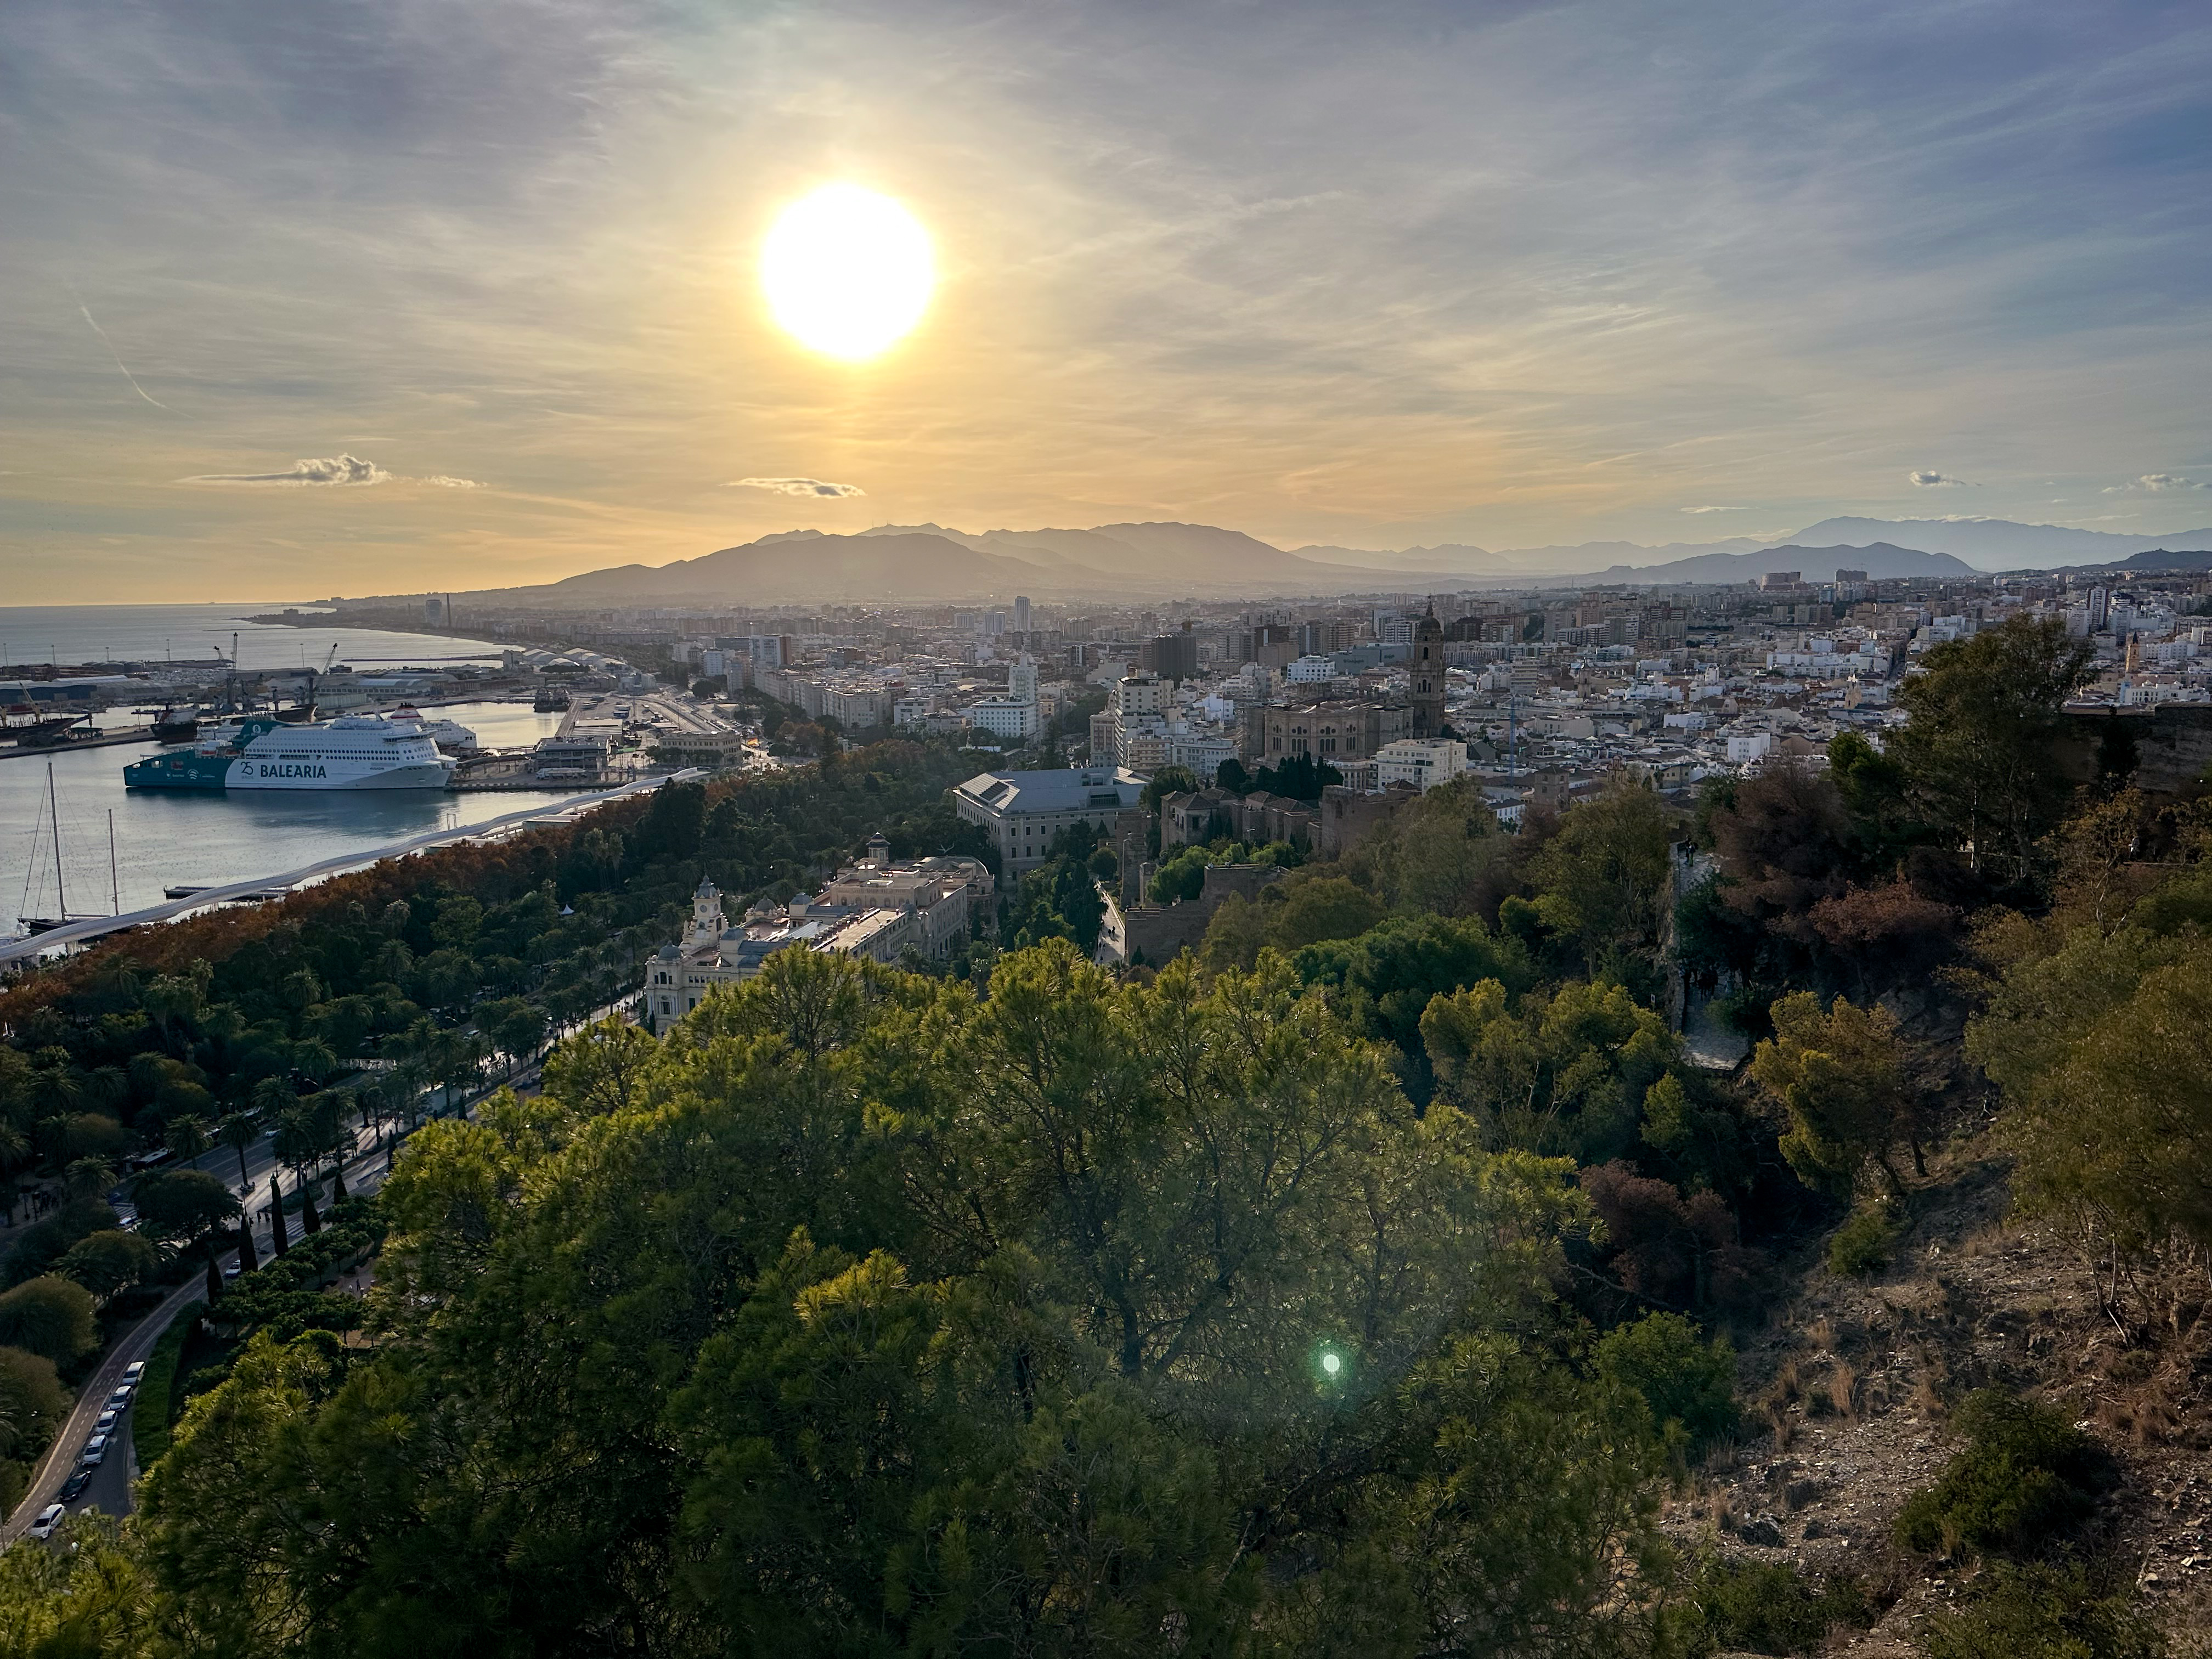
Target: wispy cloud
797, 487
2157, 483
329, 470
445, 482
1716, 509
1936, 480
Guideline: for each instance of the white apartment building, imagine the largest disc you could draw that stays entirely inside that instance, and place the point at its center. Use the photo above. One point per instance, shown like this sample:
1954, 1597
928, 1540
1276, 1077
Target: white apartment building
1425, 763
1202, 753
1004, 716
1021, 812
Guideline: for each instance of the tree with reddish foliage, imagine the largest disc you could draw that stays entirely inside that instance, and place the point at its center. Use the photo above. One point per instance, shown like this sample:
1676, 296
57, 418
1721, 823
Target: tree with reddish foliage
1783, 845
1672, 1251
1888, 936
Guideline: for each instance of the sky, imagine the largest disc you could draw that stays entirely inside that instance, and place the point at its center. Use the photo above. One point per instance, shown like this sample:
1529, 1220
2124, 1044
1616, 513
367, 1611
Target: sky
303, 300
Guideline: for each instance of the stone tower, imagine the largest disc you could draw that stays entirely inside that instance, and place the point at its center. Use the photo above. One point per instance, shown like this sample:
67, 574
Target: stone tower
1428, 666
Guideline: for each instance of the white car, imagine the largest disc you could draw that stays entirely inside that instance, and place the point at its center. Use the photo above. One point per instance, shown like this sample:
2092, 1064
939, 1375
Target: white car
49, 1518
107, 1421
133, 1372
95, 1451
119, 1399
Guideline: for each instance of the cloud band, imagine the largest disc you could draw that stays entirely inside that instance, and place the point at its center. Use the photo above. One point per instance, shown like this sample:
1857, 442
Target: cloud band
811, 487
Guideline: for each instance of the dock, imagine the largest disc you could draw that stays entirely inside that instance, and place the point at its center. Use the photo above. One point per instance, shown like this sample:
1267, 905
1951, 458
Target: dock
104, 740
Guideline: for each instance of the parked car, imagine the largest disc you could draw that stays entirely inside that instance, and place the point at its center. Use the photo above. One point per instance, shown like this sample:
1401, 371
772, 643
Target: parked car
49, 1518
95, 1451
108, 1419
74, 1486
133, 1372
119, 1399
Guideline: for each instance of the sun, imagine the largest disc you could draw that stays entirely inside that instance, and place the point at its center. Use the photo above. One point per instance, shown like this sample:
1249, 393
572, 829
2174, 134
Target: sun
848, 272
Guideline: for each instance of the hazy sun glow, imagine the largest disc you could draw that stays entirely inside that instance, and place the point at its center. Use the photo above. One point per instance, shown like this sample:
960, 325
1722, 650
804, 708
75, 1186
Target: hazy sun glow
846, 272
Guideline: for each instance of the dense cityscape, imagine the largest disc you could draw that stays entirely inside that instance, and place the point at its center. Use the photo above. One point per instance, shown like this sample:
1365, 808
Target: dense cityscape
969, 831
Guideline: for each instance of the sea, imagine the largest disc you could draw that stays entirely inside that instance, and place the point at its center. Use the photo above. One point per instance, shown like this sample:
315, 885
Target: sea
120, 850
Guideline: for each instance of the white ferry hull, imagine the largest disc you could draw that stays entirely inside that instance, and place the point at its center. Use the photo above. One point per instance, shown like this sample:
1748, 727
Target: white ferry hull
250, 773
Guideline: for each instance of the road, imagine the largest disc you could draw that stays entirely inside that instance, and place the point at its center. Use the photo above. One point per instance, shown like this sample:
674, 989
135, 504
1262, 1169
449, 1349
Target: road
110, 1489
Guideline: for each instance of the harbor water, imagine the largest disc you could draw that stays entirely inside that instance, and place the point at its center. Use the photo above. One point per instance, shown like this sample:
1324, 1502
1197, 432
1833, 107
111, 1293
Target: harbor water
186, 633
174, 838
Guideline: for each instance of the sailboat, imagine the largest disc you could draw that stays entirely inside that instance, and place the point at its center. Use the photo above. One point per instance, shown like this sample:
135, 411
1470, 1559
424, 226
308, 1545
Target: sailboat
29, 927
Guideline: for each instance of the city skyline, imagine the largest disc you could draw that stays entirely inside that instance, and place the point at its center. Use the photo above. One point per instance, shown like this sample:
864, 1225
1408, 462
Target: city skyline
469, 299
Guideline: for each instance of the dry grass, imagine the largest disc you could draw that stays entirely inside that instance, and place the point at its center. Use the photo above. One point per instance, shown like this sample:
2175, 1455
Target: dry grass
1821, 1333
1927, 1399
1844, 1391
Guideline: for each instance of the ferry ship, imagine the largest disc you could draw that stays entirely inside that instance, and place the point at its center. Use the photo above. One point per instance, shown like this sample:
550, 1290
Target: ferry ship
357, 751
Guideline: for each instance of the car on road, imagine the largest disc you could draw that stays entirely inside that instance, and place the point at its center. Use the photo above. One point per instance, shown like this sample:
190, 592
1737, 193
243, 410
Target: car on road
74, 1486
133, 1372
49, 1518
119, 1399
108, 1419
95, 1451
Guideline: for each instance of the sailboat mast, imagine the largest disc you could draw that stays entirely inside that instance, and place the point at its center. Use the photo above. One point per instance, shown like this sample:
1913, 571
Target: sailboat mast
54, 817
114, 881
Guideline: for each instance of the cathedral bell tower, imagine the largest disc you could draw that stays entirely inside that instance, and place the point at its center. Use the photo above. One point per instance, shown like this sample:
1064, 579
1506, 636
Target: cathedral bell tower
1428, 666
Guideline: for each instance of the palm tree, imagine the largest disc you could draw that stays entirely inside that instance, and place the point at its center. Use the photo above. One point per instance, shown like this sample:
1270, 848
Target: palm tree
88, 1177
187, 1136
238, 1131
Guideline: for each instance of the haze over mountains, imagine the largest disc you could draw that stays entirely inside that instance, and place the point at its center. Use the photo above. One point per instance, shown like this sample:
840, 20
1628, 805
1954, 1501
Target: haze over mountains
931, 563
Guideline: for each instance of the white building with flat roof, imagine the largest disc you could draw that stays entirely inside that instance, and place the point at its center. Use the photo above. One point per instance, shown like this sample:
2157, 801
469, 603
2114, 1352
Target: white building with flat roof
1004, 716
1425, 763
1021, 812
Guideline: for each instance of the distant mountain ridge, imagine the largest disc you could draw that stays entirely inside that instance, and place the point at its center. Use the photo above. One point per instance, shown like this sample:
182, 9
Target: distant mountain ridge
1880, 561
934, 563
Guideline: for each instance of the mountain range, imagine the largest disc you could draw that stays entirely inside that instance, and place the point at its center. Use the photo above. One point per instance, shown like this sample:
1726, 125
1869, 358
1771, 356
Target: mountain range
931, 563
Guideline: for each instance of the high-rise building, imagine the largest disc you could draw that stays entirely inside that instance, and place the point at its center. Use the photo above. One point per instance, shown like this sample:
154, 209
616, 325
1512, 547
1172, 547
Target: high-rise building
1021, 613
2100, 601
1174, 656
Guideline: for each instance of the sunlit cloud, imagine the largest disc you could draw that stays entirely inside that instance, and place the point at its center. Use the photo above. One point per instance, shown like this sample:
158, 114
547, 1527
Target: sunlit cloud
1717, 509
1936, 480
331, 470
445, 482
2157, 483
797, 487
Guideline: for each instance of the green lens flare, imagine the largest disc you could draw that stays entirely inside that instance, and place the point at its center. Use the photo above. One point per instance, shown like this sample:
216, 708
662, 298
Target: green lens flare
1332, 1363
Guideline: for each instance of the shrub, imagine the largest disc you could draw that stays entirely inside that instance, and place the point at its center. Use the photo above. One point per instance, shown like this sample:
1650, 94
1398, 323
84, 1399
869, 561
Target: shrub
1752, 1607
51, 1316
157, 1387
2043, 1613
1860, 1247
1684, 1381
2026, 1478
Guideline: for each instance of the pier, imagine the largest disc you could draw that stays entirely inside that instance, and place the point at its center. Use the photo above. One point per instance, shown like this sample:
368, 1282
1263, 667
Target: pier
70, 746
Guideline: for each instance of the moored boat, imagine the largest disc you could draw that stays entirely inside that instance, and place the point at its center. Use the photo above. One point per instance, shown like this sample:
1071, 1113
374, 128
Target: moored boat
358, 751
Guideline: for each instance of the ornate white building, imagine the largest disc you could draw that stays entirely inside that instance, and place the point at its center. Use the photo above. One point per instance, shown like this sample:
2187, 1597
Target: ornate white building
874, 908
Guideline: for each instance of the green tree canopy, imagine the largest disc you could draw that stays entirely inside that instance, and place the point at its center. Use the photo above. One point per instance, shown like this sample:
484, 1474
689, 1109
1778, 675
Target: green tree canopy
178, 1205
869, 1315
1982, 753
107, 1262
49, 1316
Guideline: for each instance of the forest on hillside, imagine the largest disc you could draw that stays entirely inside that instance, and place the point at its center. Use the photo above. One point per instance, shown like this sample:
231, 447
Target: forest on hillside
1359, 1284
